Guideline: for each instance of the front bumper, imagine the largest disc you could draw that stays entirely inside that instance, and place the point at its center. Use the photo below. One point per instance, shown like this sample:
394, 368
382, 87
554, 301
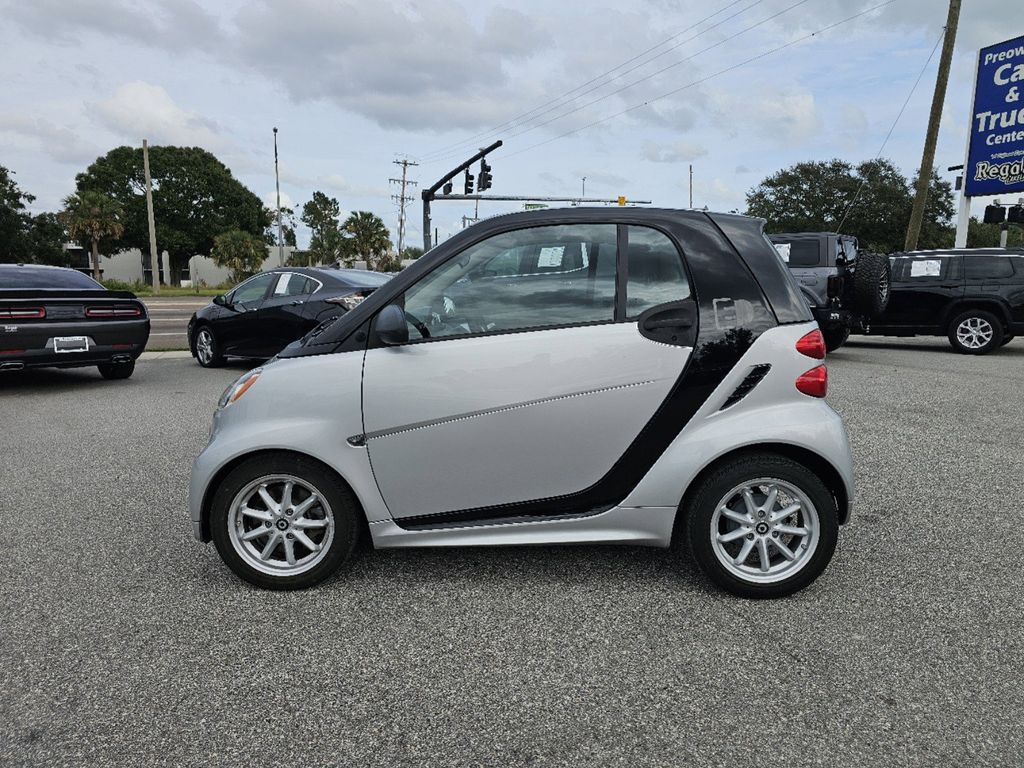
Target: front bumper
30, 345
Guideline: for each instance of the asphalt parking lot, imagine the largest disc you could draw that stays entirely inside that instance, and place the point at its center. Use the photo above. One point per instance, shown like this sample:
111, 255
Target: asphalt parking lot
168, 317
125, 642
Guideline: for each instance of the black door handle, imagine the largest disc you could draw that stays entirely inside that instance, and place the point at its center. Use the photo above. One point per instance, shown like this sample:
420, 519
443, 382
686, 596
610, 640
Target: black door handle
671, 323
652, 323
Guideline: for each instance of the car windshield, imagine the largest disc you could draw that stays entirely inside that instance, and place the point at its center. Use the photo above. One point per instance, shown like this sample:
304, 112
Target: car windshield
359, 278
46, 278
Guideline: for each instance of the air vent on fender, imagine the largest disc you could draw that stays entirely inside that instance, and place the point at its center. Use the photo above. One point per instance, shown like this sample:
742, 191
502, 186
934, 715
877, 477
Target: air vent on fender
746, 386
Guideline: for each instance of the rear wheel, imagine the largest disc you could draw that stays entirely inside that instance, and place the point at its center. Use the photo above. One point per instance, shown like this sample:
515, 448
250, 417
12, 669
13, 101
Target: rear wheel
206, 349
835, 337
121, 370
762, 526
282, 521
975, 332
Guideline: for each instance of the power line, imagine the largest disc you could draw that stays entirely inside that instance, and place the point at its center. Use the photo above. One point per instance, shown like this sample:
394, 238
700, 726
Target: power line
438, 154
663, 69
892, 128
681, 88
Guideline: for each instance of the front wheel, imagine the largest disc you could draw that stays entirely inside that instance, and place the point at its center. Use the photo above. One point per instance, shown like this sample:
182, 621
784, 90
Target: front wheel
762, 526
206, 348
975, 332
282, 521
121, 370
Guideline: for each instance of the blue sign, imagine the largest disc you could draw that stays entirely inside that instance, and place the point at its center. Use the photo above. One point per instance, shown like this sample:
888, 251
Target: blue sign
995, 158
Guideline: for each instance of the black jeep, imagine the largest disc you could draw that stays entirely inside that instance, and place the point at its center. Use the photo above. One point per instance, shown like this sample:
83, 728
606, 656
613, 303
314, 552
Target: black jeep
846, 288
974, 296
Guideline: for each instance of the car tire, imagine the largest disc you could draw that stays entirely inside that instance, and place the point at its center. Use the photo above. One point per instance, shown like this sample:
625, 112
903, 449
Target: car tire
117, 370
266, 545
835, 338
757, 539
975, 332
206, 348
872, 281
1006, 339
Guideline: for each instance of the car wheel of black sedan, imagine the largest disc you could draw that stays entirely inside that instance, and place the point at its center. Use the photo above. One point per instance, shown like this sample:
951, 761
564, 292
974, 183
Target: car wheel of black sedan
122, 370
1006, 339
975, 332
206, 349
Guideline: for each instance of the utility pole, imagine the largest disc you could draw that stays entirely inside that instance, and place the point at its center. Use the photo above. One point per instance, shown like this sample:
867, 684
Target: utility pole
402, 199
154, 260
691, 185
583, 191
924, 176
277, 182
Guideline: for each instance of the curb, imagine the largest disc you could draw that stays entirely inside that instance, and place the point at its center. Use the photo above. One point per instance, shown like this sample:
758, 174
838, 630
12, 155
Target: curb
168, 355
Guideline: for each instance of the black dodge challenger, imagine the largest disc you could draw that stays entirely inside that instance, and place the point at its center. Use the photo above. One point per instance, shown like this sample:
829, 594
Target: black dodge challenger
264, 314
52, 317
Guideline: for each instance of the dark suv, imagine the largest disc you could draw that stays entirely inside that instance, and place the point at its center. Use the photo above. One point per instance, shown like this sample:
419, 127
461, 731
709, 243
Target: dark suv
973, 296
846, 288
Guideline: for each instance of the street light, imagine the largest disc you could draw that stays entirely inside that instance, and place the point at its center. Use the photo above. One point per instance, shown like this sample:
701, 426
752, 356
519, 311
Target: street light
277, 181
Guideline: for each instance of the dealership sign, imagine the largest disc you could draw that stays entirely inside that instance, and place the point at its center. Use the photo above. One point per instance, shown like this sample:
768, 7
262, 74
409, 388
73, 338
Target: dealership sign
995, 157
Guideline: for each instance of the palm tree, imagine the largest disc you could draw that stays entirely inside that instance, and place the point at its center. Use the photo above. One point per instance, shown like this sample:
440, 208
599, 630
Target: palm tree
369, 238
90, 217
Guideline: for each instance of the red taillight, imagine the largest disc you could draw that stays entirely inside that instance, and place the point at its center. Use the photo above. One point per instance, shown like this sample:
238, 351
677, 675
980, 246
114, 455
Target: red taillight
22, 313
812, 345
112, 312
814, 382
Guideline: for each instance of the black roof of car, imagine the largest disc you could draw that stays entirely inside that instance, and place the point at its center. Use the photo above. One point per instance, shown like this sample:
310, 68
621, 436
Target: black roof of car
965, 252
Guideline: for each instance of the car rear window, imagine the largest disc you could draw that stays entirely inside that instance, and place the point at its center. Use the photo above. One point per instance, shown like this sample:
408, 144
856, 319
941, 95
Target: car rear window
982, 267
46, 278
360, 279
802, 253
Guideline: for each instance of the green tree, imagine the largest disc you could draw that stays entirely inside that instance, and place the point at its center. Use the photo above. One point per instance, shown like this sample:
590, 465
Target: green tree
815, 196
46, 237
92, 217
981, 235
287, 226
195, 198
326, 243
240, 251
369, 238
411, 252
14, 220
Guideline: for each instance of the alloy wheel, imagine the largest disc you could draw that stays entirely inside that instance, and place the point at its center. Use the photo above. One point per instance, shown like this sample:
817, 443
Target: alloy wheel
974, 332
281, 525
764, 530
204, 346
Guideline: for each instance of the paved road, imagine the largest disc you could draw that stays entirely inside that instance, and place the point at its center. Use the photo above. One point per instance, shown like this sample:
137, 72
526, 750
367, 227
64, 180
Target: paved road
168, 317
124, 642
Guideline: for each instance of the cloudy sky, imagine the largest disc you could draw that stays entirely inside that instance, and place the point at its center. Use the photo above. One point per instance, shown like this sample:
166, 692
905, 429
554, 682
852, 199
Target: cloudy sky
625, 93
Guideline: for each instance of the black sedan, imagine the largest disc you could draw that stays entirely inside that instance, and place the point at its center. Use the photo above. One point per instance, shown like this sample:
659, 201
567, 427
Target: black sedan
52, 317
269, 311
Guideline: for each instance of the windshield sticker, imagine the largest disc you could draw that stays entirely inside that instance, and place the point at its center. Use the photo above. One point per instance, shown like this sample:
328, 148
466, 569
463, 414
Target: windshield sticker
926, 268
282, 285
551, 256
783, 249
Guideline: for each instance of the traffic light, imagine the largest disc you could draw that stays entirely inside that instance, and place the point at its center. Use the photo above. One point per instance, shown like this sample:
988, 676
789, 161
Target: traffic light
1016, 214
485, 176
469, 183
447, 188
994, 214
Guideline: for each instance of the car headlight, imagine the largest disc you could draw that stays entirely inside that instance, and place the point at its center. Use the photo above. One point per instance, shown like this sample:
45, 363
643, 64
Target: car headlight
239, 387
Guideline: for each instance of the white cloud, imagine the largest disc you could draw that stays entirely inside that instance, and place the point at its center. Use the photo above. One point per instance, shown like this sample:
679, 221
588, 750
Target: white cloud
676, 152
141, 110
63, 144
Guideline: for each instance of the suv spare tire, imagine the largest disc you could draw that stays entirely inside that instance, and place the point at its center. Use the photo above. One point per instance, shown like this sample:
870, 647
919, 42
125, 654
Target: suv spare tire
871, 280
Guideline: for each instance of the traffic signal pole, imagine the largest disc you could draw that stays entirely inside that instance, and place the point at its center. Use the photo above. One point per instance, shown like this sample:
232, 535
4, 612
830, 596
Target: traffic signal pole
431, 193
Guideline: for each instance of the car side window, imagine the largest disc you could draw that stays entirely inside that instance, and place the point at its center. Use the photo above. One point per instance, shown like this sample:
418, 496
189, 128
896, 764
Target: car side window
803, 253
290, 284
540, 277
252, 289
987, 267
655, 270
916, 270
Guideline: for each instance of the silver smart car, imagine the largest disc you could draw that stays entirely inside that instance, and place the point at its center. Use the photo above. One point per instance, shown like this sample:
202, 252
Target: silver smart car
634, 376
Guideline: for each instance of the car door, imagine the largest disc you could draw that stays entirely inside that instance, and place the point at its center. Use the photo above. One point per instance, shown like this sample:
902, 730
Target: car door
526, 376
237, 331
282, 318
988, 276
923, 287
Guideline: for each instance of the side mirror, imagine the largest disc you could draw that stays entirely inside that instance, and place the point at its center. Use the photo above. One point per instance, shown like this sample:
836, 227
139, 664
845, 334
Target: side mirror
220, 300
391, 326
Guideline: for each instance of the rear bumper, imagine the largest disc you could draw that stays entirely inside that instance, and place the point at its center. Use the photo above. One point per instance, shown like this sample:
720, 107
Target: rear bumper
31, 345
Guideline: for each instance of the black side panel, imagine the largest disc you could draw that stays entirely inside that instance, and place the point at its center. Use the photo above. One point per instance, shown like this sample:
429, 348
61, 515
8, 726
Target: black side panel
747, 236
732, 314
